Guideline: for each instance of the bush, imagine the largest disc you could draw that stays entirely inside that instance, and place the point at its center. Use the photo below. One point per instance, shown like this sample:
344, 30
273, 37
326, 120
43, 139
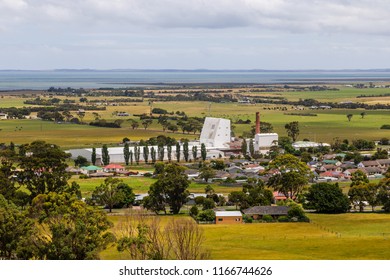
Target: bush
206, 216
247, 219
267, 218
283, 219
385, 126
296, 211
194, 211
83, 176
148, 174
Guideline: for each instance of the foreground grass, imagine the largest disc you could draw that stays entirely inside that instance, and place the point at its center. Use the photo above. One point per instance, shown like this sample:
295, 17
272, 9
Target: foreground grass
351, 236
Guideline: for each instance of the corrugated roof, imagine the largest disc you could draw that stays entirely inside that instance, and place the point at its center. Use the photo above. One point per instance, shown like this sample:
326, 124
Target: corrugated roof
228, 213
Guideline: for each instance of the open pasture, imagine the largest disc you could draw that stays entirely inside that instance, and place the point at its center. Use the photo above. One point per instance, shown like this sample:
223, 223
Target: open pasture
352, 236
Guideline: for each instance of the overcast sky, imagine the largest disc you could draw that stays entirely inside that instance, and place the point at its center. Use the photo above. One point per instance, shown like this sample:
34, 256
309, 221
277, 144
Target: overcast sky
192, 34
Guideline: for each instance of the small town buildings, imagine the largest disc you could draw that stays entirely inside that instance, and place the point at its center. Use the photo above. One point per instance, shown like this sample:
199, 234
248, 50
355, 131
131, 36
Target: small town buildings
113, 168
216, 132
308, 144
90, 169
228, 217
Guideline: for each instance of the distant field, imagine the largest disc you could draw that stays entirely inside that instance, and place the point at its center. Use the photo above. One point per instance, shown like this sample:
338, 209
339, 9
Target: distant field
324, 127
351, 236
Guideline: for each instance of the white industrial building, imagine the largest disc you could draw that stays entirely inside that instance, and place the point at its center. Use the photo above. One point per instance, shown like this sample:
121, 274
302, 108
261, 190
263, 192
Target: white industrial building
308, 144
216, 133
264, 141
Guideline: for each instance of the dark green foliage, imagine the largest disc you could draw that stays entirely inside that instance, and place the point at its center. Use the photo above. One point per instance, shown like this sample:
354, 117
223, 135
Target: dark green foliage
292, 130
267, 218
72, 230
146, 153
207, 173
126, 153
194, 152
194, 211
327, 198
81, 161
186, 152
178, 152
170, 189
15, 228
206, 216
44, 168
160, 151
93, 156
203, 151
105, 155
153, 154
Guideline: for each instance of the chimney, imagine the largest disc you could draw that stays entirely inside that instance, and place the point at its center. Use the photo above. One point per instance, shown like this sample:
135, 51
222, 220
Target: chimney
257, 122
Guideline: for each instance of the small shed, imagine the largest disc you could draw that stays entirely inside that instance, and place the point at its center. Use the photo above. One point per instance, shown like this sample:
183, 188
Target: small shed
228, 217
113, 168
257, 212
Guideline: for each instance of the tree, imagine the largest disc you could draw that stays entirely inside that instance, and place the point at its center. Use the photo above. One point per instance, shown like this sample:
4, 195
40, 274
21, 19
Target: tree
111, 193
256, 193
131, 154
169, 189
244, 147
137, 154
15, 228
358, 178
146, 153
93, 156
237, 197
81, 161
203, 151
293, 175
173, 127
44, 168
292, 130
169, 152
134, 124
194, 152
146, 123
358, 196
69, 229
251, 148
105, 155
126, 153
207, 173
186, 152
349, 117
160, 151
363, 114
153, 154
178, 152
327, 198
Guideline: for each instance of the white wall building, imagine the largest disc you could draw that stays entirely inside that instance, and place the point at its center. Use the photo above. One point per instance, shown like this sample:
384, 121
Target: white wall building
216, 132
264, 141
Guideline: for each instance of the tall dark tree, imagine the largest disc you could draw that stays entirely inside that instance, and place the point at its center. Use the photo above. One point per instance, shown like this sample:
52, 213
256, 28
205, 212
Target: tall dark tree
203, 151
131, 157
251, 148
137, 153
153, 154
160, 151
292, 129
349, 117
178, 152
126, 153
244, 147
194, 152
93, 156
146, 153
169, 152
186, 152
105, 155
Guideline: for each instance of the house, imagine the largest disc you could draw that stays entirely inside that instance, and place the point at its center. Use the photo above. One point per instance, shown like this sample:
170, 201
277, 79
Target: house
228, 217
3, 116
348, 173
113, 168
90, 169
257, 212
384, 163
369, 163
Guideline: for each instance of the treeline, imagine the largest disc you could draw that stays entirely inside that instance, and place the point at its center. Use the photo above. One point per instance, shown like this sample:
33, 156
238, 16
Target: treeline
199, 96
373, 95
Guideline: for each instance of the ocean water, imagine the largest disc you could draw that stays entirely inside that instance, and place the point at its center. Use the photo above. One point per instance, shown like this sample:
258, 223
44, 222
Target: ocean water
42, 80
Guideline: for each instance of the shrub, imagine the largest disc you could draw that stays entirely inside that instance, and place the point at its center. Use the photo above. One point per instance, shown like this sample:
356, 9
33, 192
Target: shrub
194, 211
83, 176
283, 219
267, 218
247, 219
296, 211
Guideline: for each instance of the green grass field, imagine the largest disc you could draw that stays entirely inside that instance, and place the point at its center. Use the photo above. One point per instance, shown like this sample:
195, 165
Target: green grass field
352, 236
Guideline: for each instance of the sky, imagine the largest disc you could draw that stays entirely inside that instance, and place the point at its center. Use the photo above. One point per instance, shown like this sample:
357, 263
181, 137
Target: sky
194, 34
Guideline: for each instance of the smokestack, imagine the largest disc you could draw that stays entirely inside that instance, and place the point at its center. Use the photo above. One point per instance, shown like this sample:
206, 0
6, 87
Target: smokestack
257, 122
